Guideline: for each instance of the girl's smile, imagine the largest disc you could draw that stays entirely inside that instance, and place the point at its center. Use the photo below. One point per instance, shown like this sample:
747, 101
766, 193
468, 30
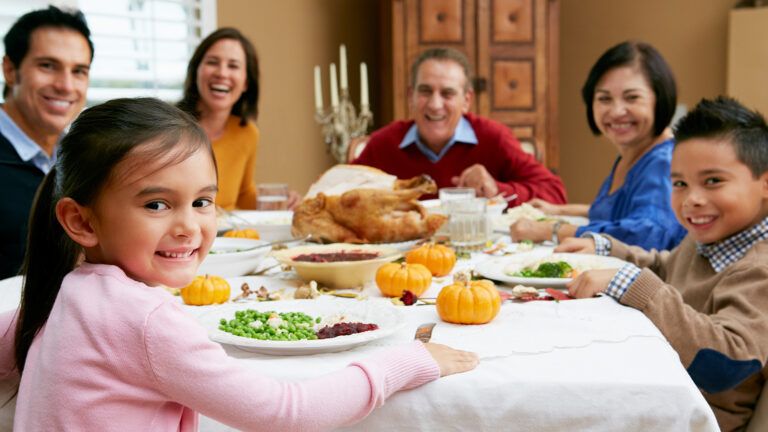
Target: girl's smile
158, 221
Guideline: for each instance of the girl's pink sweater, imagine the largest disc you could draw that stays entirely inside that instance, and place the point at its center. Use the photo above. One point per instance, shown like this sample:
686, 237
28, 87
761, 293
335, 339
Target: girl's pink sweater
116, 354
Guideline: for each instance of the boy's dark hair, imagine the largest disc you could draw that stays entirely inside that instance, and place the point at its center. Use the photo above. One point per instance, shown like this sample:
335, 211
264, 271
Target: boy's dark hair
651, 64
18, 38
247, 107
726, 119
135, 130
443, 54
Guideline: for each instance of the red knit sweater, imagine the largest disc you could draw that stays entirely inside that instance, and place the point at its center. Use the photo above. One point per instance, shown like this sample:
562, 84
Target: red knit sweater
498, 150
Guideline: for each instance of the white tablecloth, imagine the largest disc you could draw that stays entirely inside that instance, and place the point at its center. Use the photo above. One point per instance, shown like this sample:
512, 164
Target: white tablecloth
587, 365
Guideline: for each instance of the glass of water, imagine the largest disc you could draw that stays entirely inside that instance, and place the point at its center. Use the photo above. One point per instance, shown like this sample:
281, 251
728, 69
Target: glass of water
468, 223
272, 196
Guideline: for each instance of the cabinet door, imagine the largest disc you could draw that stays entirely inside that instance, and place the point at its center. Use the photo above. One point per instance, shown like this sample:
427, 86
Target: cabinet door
517, 62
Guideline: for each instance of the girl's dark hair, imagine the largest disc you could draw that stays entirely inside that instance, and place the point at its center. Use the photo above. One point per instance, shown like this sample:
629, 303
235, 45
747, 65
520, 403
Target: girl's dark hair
136, 130
726, 119
247, 107
654, 68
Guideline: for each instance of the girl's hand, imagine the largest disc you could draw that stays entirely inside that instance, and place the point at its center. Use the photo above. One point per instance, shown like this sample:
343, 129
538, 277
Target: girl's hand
577, 245
452, 361
545, 206
526, 229
591, 282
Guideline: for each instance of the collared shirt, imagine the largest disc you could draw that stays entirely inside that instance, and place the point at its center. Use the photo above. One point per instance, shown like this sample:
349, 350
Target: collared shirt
724, 253
719, 254
463, 134
27, 149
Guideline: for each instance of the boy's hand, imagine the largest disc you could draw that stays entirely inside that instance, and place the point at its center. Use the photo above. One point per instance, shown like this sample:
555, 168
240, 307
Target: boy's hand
577, 245
591, 282
452, 361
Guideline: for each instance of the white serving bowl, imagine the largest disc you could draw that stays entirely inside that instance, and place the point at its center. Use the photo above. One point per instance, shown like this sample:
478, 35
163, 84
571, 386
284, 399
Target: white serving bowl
233, 257
271, 225
339, 274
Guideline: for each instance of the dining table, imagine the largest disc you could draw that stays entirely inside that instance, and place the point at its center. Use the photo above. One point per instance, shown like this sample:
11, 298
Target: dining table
545, 365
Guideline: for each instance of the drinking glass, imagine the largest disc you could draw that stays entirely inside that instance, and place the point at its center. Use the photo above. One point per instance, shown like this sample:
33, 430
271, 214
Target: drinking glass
272, 196
468, 223
455, 193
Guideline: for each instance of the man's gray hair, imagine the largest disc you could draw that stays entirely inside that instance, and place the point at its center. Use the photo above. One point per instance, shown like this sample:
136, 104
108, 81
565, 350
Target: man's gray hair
449, 54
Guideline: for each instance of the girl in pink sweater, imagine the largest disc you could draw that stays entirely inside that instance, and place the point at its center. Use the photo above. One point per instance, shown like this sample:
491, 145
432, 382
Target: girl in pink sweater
99, 346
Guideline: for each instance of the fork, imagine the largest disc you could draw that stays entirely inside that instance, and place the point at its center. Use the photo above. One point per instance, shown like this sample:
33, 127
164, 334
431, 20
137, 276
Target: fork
424, 332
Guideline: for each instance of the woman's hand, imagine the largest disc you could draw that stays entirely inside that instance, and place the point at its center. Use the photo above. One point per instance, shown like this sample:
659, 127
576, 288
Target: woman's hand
294, 199
577, 245
591, 282
545, 206
452, 361
526, 229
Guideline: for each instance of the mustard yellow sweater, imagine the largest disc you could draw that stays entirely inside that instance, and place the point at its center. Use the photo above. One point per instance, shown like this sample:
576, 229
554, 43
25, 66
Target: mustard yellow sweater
235, 155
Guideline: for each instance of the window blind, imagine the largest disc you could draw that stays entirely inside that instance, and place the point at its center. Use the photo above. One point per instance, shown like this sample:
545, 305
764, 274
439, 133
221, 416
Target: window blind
141, 46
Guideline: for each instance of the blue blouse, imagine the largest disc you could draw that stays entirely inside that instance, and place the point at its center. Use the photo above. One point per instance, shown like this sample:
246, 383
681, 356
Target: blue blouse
640, 211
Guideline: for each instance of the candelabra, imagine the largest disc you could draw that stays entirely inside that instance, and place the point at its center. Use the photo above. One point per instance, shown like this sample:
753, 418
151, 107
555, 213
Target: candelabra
342, 123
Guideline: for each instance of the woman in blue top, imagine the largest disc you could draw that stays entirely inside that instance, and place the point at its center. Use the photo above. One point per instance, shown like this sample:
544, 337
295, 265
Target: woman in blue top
630, 96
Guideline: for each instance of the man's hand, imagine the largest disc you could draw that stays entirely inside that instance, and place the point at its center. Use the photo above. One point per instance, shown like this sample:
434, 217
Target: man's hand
526, 229
577, 245
477, 177
591, 282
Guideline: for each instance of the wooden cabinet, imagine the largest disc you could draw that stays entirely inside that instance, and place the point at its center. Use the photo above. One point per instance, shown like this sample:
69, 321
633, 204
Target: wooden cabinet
513, 48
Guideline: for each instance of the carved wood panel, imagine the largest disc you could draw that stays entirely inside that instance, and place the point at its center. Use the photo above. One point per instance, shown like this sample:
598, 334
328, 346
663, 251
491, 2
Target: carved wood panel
512, 85
441, 21
512, 20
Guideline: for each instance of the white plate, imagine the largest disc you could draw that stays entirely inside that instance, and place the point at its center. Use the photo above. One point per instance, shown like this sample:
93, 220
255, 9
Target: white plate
271, 225
380, 312
500, 269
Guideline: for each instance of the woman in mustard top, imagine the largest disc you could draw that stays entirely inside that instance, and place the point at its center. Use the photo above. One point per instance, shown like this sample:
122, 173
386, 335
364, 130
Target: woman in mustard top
222, 91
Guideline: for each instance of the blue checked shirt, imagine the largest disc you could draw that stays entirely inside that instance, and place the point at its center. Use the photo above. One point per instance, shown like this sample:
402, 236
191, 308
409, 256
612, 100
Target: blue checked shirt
719, 254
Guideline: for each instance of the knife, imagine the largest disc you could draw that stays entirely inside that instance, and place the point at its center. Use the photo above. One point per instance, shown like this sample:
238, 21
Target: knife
424, 332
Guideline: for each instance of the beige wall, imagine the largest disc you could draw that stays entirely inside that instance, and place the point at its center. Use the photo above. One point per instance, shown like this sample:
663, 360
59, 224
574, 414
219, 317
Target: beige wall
690, 34
292, 36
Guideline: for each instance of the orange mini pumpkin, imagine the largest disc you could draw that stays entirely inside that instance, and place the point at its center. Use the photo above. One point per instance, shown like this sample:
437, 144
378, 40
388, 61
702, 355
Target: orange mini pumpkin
394, 278
243, 233
437, 258
205, 290
468, 301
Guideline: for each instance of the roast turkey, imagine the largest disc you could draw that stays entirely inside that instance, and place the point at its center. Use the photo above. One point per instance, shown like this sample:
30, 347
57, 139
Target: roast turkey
358, 204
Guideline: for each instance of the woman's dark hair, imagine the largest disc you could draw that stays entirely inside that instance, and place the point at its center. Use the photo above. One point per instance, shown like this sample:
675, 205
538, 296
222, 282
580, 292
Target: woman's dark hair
726, 119
19, 36
654, 68
135, 130
247, 107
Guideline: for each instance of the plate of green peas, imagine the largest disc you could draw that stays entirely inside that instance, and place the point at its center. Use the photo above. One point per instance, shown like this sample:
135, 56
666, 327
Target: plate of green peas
290, 327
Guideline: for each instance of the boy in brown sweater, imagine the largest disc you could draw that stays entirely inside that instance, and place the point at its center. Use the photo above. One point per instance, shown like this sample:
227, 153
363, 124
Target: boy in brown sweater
708, 296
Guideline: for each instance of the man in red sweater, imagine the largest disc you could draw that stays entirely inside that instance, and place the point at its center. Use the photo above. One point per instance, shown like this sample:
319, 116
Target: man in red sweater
454, 147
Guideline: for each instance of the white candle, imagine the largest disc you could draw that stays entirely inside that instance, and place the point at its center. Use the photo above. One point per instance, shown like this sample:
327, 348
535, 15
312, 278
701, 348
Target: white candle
343, 66
363, 86
334, 88
318, 90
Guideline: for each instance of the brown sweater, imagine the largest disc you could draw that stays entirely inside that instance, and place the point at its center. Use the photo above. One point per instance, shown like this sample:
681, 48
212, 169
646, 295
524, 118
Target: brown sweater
717, 322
